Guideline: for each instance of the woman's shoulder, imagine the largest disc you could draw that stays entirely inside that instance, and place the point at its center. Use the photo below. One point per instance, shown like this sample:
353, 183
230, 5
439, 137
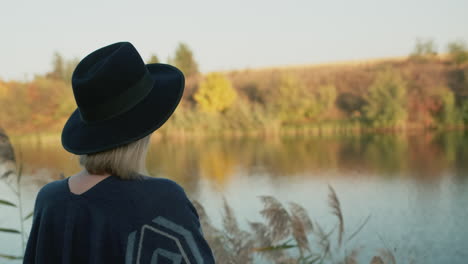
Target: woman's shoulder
53, 188
161, 194
162, 186
52, 193
159, 181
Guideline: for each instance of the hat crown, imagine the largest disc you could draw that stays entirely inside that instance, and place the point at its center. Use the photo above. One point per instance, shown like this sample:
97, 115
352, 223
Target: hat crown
106, 73
116, 91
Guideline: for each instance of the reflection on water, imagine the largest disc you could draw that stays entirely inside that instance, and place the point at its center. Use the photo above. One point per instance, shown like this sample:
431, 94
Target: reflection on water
424, 156
414, 186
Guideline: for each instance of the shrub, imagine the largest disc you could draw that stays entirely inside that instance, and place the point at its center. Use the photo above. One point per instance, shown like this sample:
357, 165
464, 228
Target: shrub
215, 93
386, 101
449, 113
350, 103
293, 102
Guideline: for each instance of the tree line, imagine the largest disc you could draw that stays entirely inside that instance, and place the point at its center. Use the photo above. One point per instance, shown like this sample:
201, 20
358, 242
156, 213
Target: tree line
425, 90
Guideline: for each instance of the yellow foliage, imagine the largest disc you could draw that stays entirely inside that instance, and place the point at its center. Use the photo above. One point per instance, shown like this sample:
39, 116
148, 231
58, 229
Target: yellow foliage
215, 94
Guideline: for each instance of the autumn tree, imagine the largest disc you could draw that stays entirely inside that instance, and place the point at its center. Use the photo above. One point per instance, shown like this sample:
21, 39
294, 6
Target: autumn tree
215, 93
386, 101
184, 60
41, 104
15, 111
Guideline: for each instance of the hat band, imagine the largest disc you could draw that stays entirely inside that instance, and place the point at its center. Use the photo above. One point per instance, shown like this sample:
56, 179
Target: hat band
119, 104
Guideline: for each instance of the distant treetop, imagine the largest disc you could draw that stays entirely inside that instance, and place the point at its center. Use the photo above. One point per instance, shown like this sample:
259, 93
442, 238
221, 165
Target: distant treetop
153, 59
184, 60
424, 50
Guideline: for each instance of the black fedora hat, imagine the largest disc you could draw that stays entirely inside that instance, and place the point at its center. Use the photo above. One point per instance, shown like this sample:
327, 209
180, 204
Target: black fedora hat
119, 98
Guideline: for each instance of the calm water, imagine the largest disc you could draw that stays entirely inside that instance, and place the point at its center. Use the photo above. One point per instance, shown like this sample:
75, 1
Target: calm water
413, 187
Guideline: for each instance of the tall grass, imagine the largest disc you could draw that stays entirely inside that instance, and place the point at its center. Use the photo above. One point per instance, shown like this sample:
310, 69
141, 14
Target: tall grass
12, 178
286, 235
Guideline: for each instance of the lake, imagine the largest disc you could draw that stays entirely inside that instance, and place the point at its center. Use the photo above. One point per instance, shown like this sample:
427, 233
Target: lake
412, 186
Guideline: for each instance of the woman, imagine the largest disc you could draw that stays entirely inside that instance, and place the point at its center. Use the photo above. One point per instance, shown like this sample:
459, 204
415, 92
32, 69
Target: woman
109, 212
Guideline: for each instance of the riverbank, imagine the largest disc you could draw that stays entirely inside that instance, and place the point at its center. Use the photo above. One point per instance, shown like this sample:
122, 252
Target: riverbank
385, 95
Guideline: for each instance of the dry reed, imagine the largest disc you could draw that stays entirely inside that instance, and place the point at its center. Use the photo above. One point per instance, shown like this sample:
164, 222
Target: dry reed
334, 203
287, 235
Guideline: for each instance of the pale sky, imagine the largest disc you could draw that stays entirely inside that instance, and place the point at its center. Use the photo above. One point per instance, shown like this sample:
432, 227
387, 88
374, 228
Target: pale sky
224, 35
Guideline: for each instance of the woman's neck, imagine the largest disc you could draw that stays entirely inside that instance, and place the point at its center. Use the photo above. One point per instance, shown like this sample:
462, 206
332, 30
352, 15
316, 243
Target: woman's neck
83, 181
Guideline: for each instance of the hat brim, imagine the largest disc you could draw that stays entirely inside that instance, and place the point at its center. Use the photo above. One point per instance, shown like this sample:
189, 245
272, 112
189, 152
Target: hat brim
147, 116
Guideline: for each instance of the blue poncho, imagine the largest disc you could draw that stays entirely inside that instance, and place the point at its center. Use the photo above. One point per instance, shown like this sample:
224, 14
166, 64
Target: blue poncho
116, 221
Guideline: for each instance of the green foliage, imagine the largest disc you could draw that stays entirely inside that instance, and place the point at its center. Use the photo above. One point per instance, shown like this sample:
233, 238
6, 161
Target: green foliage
240, 117
386, 101
458, 81
184, 60
325, 98
424, 50
464, 111
215, 93
248, 117
10, 257
458, 51
153, 59
7, 203
293, 102
449, 114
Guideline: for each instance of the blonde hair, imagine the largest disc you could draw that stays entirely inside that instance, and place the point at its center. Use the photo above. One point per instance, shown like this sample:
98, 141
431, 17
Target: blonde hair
125, 162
